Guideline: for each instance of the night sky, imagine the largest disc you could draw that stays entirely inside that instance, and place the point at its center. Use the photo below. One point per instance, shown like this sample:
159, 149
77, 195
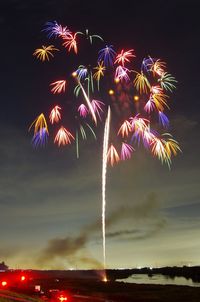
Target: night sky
50, 202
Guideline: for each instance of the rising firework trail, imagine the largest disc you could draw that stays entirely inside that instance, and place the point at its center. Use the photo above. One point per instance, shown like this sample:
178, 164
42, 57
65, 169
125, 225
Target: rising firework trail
104, 170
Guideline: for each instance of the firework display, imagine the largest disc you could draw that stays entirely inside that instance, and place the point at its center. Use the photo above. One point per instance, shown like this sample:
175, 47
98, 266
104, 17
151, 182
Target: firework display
108, 90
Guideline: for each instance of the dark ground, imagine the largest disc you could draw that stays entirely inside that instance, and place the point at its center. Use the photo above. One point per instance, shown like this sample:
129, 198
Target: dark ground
90, 285
126, 292
119, 291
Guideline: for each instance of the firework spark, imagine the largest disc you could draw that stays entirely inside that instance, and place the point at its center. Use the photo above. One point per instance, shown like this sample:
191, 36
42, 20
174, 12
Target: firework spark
63, 137
125, 129
167, 81
87, 101
121, 73
126, 151
53, 29
40, 138
158, 67
45, 52
141, 83
40, 124
124, 56
89, 36
97, 106
55, 115
82, 72
70, 42
99, 73
107, 55
163, 119
112, 155
58, 86
83, 111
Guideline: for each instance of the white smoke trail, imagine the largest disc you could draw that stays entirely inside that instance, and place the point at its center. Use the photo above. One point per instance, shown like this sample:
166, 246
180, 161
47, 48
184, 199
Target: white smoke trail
104, 169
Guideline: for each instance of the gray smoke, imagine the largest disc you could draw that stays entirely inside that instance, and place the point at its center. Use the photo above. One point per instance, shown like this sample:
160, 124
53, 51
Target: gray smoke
137, 234
73, 248
9, 252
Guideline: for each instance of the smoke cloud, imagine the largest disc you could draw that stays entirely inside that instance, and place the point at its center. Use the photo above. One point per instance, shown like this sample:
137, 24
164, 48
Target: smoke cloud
73, 249
134, 234
9, 252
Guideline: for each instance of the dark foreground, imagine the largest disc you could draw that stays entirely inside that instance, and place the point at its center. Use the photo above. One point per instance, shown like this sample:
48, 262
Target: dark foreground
118, 291
87, 287
127, 292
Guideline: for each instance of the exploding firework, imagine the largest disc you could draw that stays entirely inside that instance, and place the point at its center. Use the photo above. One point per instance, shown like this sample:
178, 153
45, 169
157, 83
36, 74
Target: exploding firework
75, 120
136, 99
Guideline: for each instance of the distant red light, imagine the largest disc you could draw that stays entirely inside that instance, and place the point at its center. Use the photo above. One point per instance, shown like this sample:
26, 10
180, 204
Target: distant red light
62, 298
23, 278
37, 288
4, 283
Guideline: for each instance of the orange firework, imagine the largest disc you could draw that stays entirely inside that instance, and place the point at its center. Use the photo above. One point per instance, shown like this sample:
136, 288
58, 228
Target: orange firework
125, 128
70, 42
63, 137
112, 155
55, 115
159, 100
158, 67
58, 86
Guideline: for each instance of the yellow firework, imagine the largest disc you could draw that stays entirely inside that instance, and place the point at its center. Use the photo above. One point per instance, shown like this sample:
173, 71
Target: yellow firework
160, 101
100, 68
40, 124
45, 52
158, 67
171, 146
141, 83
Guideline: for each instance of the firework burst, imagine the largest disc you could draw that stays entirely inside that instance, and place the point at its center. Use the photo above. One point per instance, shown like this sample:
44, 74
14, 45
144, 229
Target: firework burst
134, 116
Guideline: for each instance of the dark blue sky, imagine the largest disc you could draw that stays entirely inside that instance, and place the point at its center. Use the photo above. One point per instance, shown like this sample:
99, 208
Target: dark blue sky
47, 194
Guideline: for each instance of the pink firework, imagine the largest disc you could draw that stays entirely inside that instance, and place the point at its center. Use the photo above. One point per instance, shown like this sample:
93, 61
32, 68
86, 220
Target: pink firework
148, 137
150, 105
97, 106
121, 73
63, 31
126, 151
124, 56
156, 89
83, 111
